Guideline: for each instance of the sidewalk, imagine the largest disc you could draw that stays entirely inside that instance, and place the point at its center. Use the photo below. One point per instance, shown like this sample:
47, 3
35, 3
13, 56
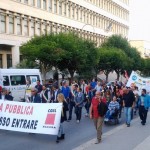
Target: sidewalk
135, 137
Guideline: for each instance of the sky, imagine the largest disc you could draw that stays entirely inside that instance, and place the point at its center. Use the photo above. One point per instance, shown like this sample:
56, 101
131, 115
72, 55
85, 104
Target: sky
139, 20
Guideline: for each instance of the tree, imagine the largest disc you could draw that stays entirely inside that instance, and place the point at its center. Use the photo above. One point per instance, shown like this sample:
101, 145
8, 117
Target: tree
134, 58
112, 59
43, 49
79, 53
89, 69
27, 64
145, 69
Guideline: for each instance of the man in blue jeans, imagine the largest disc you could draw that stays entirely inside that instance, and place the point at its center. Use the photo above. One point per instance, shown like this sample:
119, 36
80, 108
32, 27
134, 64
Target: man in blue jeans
128, 103
143, 103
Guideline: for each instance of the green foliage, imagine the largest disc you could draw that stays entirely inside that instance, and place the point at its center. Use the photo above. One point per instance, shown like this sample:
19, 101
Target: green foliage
79, 53
27, 64
134, 58
145, 69
63, 51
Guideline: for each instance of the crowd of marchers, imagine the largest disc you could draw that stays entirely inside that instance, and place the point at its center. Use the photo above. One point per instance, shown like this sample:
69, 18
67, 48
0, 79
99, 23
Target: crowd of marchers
102, 102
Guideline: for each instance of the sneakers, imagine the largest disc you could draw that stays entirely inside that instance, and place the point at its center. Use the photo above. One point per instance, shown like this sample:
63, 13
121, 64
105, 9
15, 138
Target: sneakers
78, 121
57, 140
106, 119
86, 115
60, 138
128, 125
97, 141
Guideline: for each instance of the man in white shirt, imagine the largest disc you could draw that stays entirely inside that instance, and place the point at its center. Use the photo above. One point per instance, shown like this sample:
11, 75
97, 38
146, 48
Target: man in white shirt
98, 87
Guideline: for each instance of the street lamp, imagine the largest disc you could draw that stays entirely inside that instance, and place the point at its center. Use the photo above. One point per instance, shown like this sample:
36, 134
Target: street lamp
88, 25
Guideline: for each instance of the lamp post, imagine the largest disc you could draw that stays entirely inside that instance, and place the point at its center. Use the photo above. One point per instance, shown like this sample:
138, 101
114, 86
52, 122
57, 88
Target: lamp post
88, 25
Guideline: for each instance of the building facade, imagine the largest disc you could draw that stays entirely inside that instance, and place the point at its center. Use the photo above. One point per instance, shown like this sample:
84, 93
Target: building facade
142, 46
20, 20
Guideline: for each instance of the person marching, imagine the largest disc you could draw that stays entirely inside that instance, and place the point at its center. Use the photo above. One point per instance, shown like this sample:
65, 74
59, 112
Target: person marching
94, 114
61, 134
79, 104
45, 95
72, 100
144, 103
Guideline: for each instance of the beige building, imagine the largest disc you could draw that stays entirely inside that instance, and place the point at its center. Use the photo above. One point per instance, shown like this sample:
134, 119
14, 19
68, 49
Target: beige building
142, 46
20, 20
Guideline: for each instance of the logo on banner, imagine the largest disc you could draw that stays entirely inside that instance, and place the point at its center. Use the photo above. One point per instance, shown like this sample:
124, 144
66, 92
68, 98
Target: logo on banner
134, 77
50, 119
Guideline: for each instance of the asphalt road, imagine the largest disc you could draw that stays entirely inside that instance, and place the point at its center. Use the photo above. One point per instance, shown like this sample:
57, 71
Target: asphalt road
76, 134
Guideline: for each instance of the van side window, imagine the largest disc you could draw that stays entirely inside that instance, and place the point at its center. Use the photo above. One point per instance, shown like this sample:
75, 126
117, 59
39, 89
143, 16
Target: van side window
32, 78
18, 80
6, 81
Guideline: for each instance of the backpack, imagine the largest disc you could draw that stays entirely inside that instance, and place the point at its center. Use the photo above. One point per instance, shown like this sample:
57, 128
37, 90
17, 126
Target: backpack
102, 109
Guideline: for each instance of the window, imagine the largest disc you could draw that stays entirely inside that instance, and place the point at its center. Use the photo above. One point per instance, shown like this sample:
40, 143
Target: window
2, 23
44, 28
69, 10
9, 60
6, 81
73, 11
77, 13
11, 24
55, 6
60, 8
39, 3
65, 9
26, 1
31, 78
1, 61
18, 80
38, 28
44, 4
32, 28
26, 27
32, 3
50, 5
19, 27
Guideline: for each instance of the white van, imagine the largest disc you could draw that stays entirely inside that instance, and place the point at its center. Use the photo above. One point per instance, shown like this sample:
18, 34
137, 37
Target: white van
15, 80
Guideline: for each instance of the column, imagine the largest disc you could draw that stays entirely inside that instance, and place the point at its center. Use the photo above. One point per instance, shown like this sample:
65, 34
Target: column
47, 5
41, 4
52, 6
35, 2
4, 60
57, 5
15, 55
63, 8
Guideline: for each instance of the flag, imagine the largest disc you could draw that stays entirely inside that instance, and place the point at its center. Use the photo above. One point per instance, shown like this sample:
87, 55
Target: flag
126, 74
109, 27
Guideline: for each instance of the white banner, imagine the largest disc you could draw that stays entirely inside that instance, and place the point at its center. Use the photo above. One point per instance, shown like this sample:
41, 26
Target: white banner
30, 117
141, 82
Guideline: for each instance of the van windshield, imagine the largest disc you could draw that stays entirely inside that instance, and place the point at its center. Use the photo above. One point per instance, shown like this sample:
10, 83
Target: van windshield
18, 80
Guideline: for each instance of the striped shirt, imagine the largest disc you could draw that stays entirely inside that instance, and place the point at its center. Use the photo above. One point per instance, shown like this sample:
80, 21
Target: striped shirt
113, 105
